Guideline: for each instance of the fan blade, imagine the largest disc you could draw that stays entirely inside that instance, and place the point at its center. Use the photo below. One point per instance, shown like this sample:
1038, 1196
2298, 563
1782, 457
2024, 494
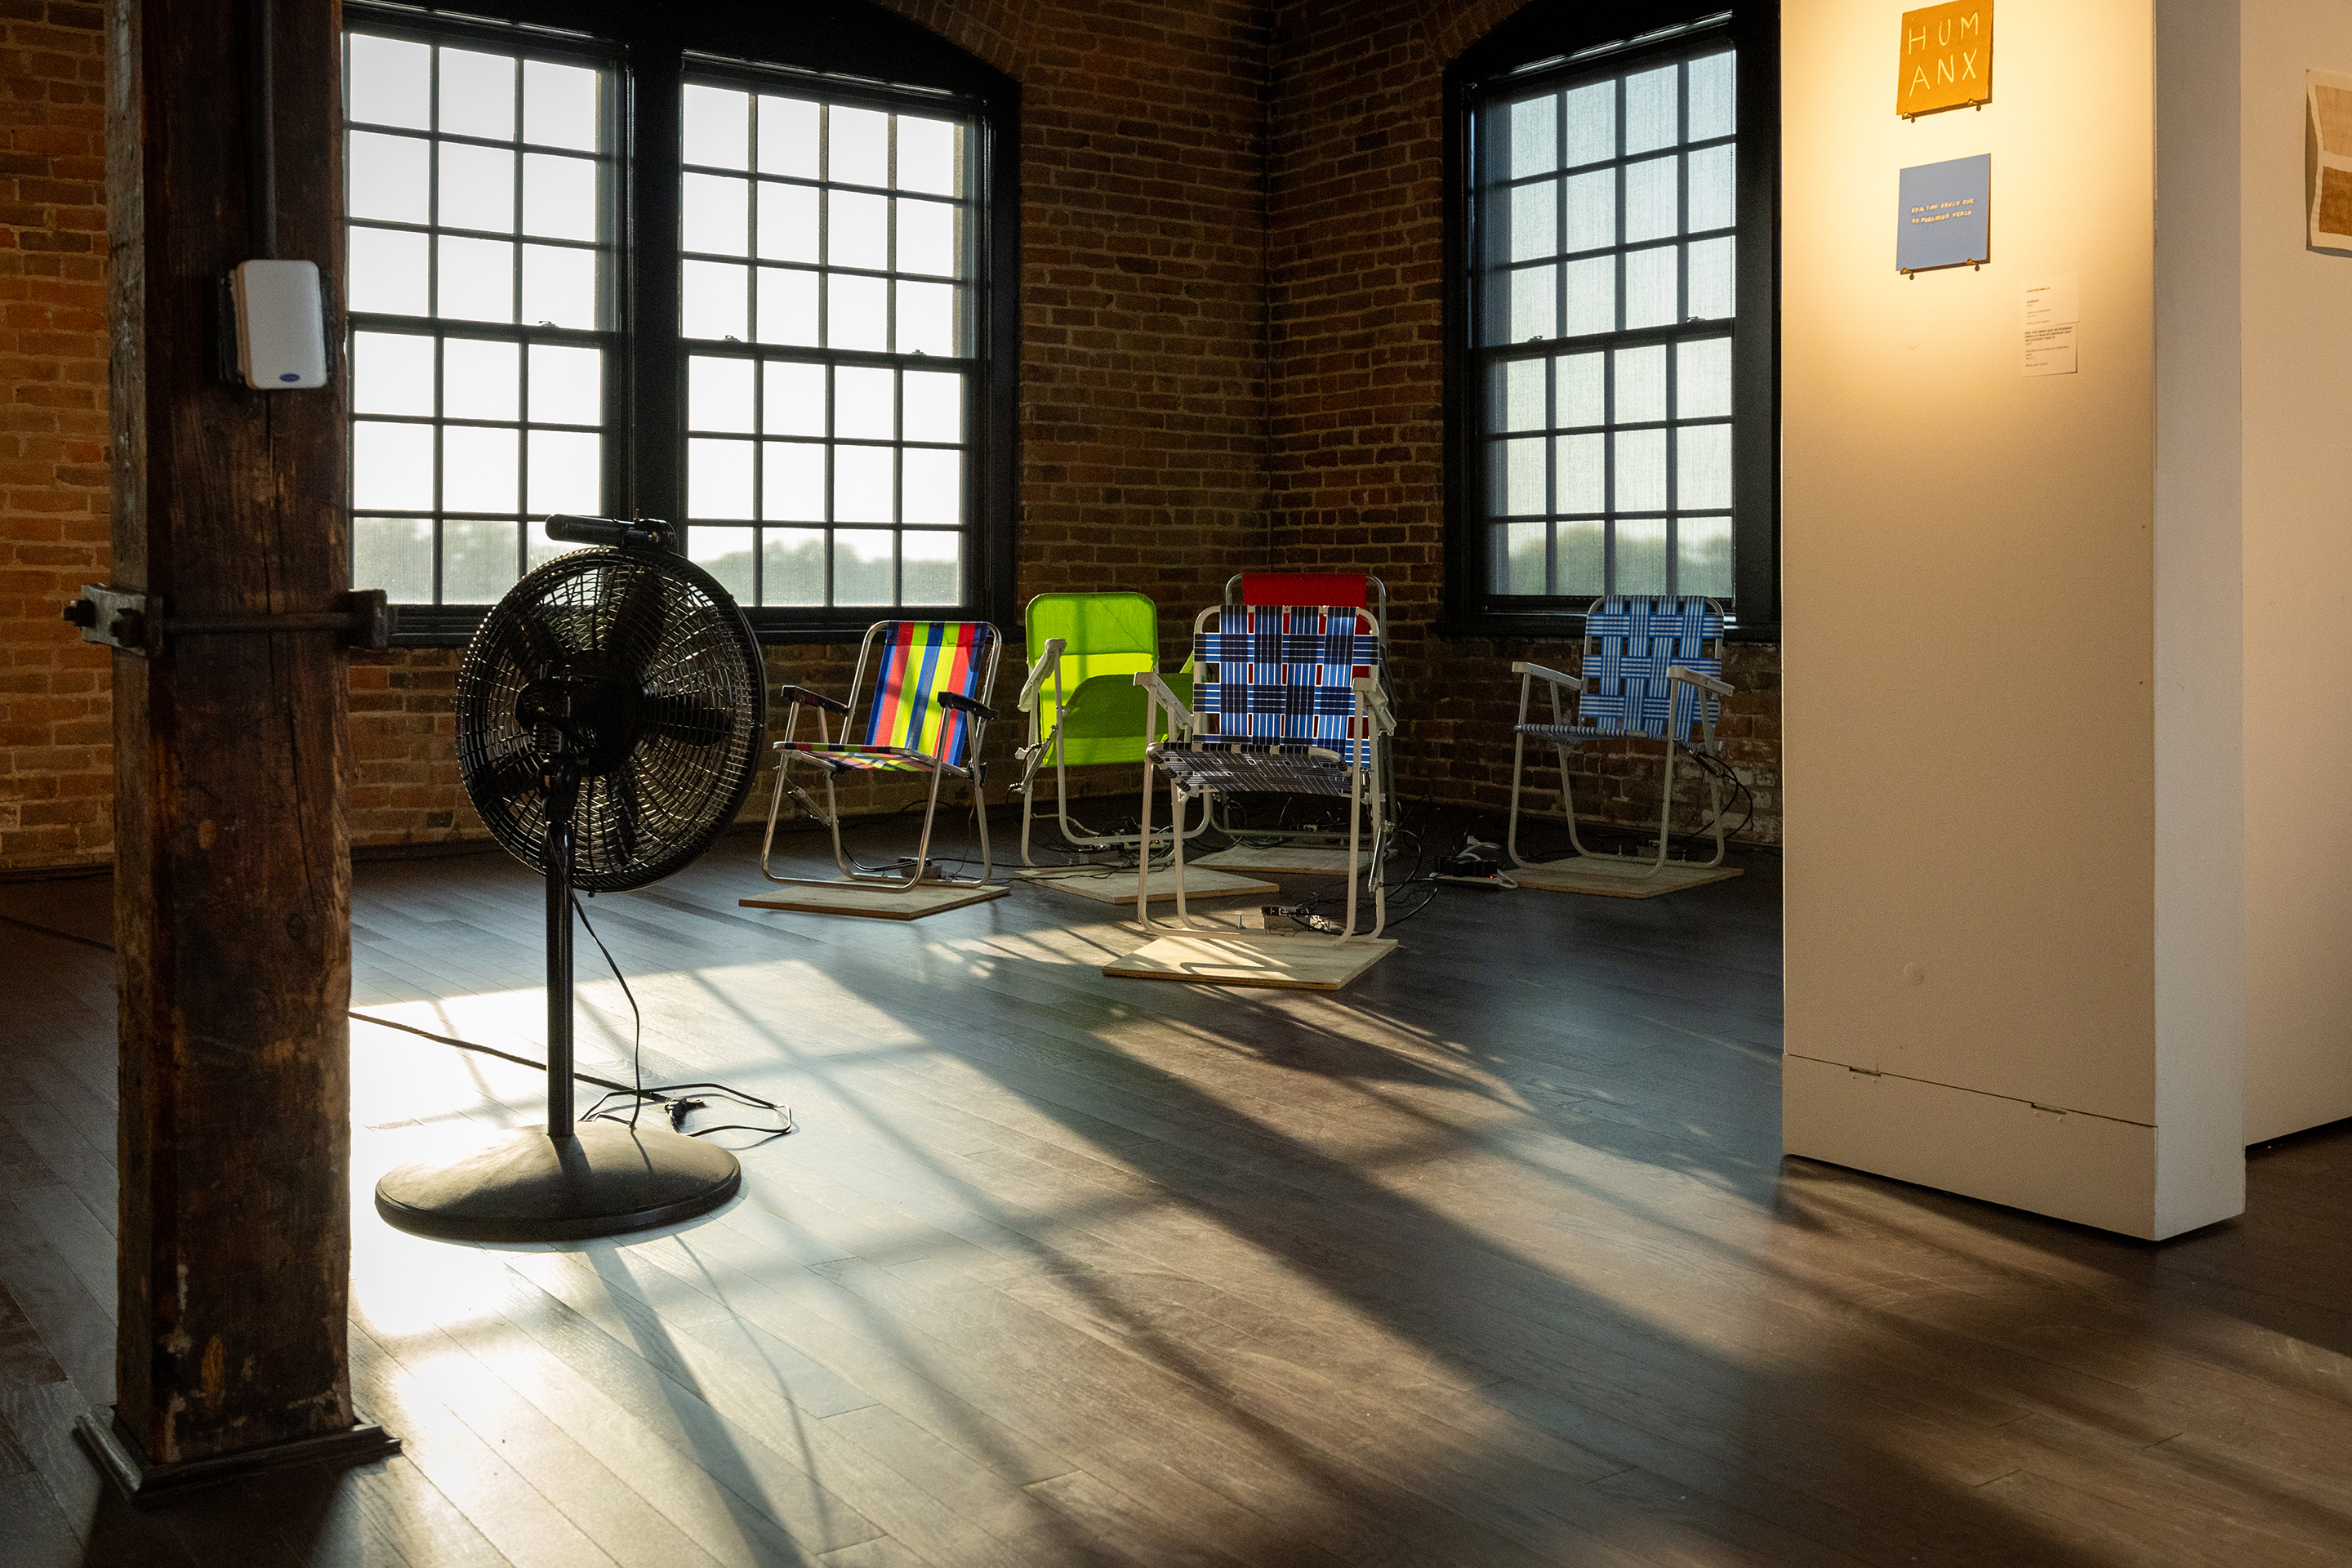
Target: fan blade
538, 646
621, 790
510, 777
684, 720
635, 632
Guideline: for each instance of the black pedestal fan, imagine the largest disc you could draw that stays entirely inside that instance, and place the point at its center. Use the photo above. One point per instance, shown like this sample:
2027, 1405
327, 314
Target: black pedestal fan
610, 716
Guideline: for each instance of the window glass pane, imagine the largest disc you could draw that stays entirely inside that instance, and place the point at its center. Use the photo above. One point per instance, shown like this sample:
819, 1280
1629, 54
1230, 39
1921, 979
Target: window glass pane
567, 384
559, 286
392, 373
1519, 564
1703, 466
396, 554
480, 380
558, 105
927, 157
480, 468
391, 82
1650, 199
567, 470
1521, 403
933, 406
1592, 295
1591, 210
391, 177
478, 98
863, 402
387, 271
1711, 197
1649, 288
861, 567
1713, 105
478, 560
1582, 548
1526, 484
794, 400
788, 307
1583, 464
478, 187
558, 196
726, 555
927, 241
1534, 136
787, 223
1535, 305
1640, 384
715, 304
1579, 389
930, 485
792, 481
857, 313
392, 467
1704, 550
930, 568
718, 479
1711, 293
862, 483
788, 137
1592, 124
927, 324
1703, 378
791, 568
1535, 221
717, 127
1641, 477
1650, 110
718, 395
476, 282
717, 214
1640, 555
857, 146
858, 230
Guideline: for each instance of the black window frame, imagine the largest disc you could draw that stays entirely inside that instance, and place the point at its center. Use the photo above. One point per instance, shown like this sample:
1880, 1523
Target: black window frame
1552, 43
846, 45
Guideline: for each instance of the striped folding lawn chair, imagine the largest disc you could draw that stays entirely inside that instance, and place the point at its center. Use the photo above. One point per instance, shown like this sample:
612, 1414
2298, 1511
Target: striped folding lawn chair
1652, 668
1286, 698
926, 712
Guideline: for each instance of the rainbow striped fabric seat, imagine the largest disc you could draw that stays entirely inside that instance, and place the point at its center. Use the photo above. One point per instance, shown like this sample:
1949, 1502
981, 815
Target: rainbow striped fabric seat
908, 728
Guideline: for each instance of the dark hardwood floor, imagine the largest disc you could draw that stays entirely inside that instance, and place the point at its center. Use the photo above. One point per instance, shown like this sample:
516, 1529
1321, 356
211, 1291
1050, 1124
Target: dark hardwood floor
1490, 1260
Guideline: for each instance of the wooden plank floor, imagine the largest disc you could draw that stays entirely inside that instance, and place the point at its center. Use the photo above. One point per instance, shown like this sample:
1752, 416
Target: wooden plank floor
1489, 1259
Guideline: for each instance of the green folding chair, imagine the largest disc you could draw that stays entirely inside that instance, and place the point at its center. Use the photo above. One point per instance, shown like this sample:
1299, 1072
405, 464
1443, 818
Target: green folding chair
1083, 707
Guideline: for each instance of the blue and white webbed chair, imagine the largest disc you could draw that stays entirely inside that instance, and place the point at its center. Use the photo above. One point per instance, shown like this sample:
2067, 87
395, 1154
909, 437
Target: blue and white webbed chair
1286, 699
1652, 668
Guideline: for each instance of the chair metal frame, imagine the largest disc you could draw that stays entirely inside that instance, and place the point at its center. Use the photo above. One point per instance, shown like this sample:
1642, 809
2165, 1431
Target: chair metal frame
898, 759
1043, 741
1565, 732
1369, 710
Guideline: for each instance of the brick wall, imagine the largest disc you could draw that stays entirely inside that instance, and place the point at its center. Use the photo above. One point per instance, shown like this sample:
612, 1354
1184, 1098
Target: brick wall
56, 772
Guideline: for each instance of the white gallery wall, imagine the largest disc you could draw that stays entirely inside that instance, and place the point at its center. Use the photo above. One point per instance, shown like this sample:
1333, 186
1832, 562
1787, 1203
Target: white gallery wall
2015, 906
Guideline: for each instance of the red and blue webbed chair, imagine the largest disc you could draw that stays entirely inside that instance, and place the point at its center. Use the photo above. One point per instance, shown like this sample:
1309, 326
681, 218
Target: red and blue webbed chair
926, 712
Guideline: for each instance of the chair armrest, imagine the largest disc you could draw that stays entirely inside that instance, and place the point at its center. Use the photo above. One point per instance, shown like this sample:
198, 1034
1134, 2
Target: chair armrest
1153, 682
1046, 663
813, 699
1377, 702
1720, 688
1542, 673
962, 704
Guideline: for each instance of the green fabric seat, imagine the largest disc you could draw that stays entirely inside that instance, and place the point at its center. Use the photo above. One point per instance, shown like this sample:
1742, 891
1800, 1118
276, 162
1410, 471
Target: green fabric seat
1108, 638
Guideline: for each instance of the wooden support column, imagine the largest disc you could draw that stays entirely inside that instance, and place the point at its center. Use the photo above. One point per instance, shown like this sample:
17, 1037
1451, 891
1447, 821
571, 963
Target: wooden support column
233, 891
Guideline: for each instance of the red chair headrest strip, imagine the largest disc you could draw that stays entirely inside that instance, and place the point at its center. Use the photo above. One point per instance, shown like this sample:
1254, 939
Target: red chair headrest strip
1306, 588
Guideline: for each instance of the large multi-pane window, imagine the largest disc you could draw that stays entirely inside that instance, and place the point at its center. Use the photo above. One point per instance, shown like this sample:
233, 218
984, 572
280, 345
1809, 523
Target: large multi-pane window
1601, 392
594, 276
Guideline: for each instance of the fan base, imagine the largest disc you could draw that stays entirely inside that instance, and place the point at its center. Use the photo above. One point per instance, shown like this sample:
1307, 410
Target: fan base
527, 1186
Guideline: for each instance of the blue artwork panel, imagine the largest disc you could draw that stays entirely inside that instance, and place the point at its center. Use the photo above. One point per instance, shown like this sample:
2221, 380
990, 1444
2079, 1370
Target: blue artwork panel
1945, 219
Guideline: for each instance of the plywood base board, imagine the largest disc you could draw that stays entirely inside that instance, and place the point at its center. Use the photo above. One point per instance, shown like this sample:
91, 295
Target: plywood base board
1286, 962
864, 900
1119, 886
1279, 861
1616, 879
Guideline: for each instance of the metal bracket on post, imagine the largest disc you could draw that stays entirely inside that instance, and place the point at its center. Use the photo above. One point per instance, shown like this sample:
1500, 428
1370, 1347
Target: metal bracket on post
136, 623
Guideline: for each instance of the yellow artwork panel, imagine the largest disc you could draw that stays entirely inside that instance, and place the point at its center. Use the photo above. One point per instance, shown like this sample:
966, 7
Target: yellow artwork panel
1946, 59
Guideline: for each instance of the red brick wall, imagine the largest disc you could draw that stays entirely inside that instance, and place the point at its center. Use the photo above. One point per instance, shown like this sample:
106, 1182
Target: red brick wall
55, 774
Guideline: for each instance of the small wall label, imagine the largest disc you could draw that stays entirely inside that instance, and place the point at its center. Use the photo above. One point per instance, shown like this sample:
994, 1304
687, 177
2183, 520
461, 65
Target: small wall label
1947, 58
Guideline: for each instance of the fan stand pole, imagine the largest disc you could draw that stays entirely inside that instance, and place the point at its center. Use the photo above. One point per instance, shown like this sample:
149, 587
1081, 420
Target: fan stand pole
568, 1180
